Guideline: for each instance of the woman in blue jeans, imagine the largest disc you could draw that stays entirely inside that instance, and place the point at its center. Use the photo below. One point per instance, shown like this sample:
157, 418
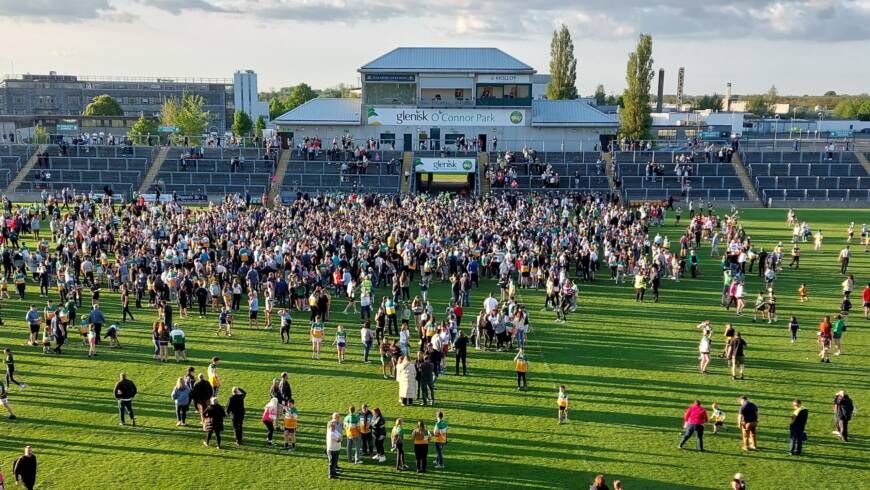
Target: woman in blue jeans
181, 395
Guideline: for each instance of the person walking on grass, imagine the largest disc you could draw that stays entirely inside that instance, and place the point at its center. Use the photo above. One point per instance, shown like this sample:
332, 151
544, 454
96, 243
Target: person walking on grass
379, 429
201, 393
213, 378
236, 411
4, 400
340, 342
736, 355
866, 298
704, 349
333, 445
351, 431
291, 419
125, 391
440, 434
837, 330
562, 402
717, 417
365, 430
747, 420
397, 437
797, 428
316, 337
24, 468
843, 409
693, 423
793, 328
421, 437
213, 422
825, 339
522, 367
599, 483
10, 370
270, 415
181, 395
176, 337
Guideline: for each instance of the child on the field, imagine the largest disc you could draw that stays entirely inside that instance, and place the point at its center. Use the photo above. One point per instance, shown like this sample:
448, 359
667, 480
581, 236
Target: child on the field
92, 341
717, 418
562, 401
803, 292
112, 335
291, 416
46, 338
340, 342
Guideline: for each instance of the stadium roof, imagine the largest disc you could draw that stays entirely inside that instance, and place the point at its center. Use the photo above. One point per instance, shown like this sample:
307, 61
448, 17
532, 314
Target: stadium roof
473, 60
324, 111
569, 113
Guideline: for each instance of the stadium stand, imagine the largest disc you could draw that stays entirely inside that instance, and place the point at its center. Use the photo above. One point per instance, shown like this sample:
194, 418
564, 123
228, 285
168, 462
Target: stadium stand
545, 171
215, 171
710, 181
88, 168
324, 171
810, 176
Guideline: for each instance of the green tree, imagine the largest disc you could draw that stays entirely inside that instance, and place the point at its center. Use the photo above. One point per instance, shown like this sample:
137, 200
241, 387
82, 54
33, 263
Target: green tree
300, 94
190, 117
142, 128
242, 124
757, 104
713, 102
847, 108
772, 96
103, 105
863, 110
830, 93
259, 126
635, 117
340, 91
276, 108
563, 66
600, 96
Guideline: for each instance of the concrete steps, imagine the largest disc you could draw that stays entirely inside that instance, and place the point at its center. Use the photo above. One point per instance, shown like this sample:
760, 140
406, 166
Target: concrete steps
25, 170
864, 161
278, 178
482, 162
153, 170
407, 172
743, 175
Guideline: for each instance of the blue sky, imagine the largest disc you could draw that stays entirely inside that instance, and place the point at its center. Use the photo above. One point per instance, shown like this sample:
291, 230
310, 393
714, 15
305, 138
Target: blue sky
801, 46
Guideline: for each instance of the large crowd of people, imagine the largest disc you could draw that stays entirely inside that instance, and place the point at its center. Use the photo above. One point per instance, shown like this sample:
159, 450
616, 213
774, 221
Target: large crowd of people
299, 263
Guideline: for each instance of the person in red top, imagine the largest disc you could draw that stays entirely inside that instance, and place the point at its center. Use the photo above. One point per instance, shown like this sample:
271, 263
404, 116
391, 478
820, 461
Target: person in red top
825, 339
867, 302
693, 422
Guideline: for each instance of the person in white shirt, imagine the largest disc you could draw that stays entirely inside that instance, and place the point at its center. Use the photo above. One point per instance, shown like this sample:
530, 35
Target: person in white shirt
333, 445
490, 304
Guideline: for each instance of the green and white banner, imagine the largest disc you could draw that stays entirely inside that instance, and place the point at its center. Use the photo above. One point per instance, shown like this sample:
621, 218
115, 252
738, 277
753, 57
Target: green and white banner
391, 116
445, 165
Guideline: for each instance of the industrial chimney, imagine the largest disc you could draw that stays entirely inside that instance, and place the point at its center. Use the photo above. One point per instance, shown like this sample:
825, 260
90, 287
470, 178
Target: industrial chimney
728, 97
661, 90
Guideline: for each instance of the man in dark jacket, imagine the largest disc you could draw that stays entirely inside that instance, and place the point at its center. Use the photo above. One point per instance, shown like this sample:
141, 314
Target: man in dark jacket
201, 394
124, 392
797, 427
460, 347
24, 468
843, 408
427, 379
236, 411
213, 422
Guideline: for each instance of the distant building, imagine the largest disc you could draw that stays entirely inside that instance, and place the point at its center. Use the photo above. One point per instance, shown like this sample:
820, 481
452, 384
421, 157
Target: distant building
246, 97
432, 98
39, 97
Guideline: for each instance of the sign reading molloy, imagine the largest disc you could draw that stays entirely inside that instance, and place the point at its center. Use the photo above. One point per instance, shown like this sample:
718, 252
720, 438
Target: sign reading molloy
503, 78
445, 165
388, 116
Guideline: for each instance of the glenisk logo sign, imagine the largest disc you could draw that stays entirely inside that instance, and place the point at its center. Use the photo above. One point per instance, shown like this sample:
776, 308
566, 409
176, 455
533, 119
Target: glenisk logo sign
388, 116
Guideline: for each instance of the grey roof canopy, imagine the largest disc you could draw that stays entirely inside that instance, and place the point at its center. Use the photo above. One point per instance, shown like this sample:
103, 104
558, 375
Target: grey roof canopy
467, 60
339, 112
571, 113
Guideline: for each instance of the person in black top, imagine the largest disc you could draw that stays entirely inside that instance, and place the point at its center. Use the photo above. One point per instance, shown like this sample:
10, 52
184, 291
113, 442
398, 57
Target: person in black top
379, 428
24, 468
460, 347
797, 427
735, 350
124, 392
285, 391
201, 393
213, 422
201, 299
10, 370
236, 411
125, 303
843, 408
747, 420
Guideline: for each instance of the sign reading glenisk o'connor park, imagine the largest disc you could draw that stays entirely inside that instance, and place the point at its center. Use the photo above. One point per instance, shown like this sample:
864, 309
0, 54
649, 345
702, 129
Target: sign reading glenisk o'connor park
389, 116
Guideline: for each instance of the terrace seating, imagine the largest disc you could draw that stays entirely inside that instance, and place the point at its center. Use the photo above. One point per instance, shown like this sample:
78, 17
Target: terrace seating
322, 176
213, 173
711, 181
811, 176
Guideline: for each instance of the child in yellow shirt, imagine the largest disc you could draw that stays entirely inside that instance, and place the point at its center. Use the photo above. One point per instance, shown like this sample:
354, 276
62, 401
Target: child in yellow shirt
562, 401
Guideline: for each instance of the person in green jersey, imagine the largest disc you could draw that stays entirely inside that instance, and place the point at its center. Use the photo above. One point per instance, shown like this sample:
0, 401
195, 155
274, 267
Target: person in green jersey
397, 437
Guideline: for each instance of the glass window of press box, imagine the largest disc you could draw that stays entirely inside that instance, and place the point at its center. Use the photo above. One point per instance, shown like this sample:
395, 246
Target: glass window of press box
504, 95
390, 93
